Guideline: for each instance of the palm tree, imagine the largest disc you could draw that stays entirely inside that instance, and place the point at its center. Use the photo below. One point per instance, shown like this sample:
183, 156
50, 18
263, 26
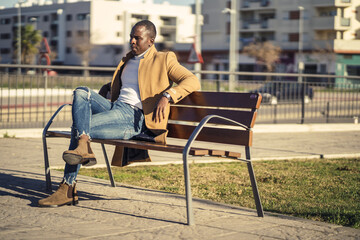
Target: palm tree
30, 40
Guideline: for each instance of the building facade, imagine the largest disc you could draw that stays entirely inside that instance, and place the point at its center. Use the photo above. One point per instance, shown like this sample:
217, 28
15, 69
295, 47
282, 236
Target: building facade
96, 32
330, 33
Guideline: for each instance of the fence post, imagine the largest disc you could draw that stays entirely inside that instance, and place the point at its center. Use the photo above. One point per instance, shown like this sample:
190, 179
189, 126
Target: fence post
302, 102
218, 83
275, 113
45, 97
327, 112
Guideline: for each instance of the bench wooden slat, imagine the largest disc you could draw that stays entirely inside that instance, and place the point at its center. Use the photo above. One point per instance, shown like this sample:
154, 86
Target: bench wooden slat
148, 145
197, 114
208, 134
223, 99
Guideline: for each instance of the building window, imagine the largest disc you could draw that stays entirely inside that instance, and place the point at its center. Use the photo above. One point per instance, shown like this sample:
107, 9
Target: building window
206, 18
68, 34
5, 50
68, 50
118, 17
4, 21
54, 17
69, 17
82, 16
293, 15
228, 4
293, 37
45, 34
228, 28
53, 43
82, 33
118, 34
16, 19
5, 36
46, 18
139, 17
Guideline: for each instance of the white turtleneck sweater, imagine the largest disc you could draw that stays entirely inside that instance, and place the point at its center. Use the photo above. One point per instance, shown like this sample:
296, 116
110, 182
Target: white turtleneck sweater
130, 93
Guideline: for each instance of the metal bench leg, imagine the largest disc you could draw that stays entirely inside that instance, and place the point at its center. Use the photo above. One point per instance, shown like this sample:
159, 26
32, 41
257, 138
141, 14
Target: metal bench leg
47, 167
255, 190
46, 156
108, 166
189, 209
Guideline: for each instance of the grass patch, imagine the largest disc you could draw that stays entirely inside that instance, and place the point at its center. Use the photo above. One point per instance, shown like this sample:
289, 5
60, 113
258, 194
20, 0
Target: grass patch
325, 190
6, 135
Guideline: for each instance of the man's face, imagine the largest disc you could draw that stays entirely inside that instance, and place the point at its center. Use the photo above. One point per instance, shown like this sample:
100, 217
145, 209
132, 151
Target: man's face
140, 40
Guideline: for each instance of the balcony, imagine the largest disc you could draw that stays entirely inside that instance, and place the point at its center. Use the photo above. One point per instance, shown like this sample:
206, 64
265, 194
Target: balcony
258, 25
168, 21
337, 45
345, 22
346, 46
331, 23
256, 4
337, 3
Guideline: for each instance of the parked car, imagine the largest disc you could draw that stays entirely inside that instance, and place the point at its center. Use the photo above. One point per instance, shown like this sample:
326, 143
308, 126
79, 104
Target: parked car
274, 92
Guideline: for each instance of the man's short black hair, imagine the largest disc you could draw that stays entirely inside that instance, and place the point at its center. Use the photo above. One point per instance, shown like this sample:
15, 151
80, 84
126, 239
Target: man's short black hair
149, 27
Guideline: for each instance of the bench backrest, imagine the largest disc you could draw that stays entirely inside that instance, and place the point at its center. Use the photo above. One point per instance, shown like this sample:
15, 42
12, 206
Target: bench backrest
240, 107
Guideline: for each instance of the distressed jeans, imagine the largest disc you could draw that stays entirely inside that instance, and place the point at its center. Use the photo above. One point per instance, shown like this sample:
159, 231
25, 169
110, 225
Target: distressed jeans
97, 117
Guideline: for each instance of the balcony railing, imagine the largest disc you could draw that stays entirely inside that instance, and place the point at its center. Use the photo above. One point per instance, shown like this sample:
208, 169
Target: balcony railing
345, 22
255, 3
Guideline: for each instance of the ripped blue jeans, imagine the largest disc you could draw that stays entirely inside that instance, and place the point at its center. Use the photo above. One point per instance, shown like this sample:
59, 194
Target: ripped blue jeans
97, 117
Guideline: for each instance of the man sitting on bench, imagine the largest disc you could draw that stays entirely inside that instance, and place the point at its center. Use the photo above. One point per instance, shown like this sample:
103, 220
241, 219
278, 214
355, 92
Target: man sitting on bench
141, 89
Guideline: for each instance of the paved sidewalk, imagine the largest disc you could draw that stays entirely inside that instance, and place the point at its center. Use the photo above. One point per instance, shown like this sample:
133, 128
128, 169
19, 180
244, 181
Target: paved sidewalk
128, 212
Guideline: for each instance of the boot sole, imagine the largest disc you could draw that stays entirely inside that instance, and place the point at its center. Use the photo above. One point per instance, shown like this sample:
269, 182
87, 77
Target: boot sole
89, 162
74, 159
72, 202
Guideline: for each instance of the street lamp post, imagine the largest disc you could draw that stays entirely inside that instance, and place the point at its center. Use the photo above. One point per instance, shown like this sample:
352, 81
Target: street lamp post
19, 36
233, 44
233, 49
198, 35
300, 59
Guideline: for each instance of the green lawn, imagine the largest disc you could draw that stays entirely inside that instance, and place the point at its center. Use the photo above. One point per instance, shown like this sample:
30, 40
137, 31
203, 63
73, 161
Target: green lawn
324, 190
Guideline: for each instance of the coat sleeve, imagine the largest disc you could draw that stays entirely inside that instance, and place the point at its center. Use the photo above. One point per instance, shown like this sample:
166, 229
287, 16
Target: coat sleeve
186, 81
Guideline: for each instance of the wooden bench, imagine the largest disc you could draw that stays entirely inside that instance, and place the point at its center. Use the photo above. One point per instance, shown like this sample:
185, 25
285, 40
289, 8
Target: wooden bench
214, 117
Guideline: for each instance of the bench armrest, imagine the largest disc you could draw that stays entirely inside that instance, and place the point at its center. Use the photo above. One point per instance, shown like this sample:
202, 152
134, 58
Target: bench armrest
53, 116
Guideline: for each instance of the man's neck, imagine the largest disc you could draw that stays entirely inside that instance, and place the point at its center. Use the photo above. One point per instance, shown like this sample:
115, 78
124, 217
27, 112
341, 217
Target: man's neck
142, 54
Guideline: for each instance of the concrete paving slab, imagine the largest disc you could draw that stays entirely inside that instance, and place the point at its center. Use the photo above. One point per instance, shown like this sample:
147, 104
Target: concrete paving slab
129, 212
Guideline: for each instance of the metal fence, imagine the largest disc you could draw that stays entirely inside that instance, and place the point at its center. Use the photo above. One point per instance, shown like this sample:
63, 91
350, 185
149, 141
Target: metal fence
28, 101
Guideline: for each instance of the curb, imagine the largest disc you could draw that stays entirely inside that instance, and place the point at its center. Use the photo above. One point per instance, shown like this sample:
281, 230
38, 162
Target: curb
259, 128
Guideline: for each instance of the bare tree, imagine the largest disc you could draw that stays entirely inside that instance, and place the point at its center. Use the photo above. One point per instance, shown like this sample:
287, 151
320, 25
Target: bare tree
265, 52
326, 55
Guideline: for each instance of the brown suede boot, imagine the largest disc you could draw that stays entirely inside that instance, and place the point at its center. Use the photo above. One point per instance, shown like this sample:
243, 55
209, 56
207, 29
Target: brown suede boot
81, 155
65, 195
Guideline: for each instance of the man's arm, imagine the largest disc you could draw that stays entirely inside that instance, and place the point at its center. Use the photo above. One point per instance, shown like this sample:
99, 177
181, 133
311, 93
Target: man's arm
186, 82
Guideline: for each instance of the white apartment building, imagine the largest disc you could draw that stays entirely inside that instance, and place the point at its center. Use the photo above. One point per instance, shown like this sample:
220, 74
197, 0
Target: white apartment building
330, 25
94, 32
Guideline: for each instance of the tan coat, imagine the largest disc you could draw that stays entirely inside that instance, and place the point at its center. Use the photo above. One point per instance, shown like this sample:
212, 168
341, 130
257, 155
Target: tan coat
157, 73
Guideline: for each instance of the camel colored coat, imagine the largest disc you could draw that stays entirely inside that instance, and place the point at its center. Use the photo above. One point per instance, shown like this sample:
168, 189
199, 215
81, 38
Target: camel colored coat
157, 73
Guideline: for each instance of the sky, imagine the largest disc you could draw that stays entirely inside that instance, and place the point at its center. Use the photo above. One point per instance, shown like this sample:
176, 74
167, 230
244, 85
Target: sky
10, 3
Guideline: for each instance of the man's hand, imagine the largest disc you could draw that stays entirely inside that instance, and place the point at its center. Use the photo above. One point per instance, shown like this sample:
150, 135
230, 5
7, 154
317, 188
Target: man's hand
159, 111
